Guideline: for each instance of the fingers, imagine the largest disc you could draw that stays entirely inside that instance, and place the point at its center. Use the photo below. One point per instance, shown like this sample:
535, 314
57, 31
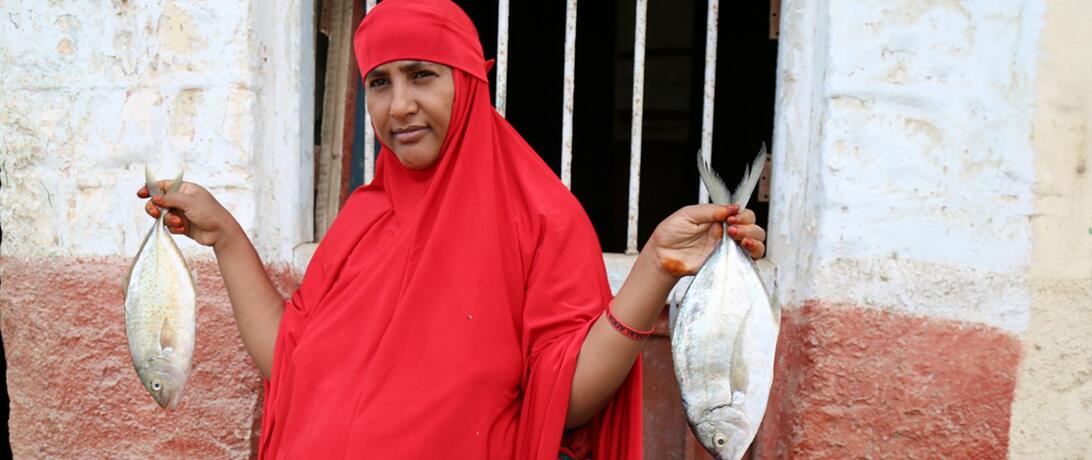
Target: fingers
175, 220
177, 202
744, 217
741, 232
151, 209
756, 248
176, 225
742, 228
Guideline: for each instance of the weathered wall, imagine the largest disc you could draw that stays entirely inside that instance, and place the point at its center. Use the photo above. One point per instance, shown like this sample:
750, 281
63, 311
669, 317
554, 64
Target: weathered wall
923, 223
1052, 413
90, 92
931, 219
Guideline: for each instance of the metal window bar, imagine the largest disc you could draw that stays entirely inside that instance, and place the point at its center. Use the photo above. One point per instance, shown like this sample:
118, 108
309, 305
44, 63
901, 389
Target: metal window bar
711, 26
635, 131
502, 56
369, 131
570, 85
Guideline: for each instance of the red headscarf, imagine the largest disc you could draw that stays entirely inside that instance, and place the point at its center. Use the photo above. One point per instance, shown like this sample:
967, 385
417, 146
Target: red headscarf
442, 314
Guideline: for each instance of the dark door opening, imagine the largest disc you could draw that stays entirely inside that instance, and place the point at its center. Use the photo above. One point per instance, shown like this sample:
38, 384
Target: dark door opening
674, 69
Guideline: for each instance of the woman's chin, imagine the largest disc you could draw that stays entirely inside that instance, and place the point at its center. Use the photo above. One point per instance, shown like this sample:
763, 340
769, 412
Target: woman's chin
417, 160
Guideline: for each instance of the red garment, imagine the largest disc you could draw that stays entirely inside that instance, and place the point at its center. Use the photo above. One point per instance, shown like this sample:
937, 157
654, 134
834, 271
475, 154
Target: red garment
442, 314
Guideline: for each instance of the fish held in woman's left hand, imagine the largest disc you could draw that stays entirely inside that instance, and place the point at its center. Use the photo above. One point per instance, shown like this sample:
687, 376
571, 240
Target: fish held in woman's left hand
160, 311
725, 336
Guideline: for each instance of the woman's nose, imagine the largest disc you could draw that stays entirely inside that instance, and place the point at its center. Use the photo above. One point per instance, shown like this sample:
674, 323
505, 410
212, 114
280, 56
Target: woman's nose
402, 102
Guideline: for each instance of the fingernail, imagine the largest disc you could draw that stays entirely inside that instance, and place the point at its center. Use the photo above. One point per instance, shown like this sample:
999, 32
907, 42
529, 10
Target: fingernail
158, 199
733, 232
731, 220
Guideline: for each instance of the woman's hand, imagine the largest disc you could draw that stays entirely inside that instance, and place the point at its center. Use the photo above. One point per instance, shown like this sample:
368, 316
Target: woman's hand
192, 211
683, 240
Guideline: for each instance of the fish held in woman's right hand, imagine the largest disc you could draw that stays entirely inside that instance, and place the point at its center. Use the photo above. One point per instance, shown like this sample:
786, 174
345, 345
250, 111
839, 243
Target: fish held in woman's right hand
160, 311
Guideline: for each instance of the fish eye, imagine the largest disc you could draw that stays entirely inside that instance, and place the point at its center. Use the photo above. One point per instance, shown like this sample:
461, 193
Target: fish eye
720, 440
156, 386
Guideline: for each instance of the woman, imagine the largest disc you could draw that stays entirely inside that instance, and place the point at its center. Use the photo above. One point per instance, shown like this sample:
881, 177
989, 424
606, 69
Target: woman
458, 305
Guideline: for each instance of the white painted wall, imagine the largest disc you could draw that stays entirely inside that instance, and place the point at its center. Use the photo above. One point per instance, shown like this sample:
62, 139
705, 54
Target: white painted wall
931, 158
90, 91
903, 164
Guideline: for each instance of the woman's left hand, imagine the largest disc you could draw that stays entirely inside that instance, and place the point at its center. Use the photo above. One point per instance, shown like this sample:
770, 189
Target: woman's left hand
683, 240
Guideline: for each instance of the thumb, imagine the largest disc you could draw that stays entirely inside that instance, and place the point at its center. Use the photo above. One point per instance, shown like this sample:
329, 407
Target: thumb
174, 200
709, 213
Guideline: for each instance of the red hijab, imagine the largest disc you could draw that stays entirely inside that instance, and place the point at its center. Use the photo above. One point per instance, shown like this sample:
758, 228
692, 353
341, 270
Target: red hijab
442, 314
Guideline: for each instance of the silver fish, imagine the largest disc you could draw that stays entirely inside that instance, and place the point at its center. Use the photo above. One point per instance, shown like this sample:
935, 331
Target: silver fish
724, 336
160, 311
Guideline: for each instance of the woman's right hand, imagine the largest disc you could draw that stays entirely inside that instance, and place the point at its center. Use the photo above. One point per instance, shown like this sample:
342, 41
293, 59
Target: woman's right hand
192, 211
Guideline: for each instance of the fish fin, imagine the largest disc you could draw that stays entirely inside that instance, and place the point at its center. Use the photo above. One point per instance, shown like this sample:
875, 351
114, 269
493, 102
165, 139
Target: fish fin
775, 307
672, 309
128, 277
750, 179
737, 377
167, 339
718, 192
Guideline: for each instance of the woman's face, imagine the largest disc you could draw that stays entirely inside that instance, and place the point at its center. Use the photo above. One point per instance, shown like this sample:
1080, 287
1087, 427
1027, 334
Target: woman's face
410, 104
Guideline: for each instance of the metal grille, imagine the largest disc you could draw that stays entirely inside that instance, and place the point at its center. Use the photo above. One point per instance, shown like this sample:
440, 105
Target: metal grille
567, 99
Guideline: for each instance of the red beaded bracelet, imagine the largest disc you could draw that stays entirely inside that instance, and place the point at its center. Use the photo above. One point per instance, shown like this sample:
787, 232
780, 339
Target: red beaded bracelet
624, 329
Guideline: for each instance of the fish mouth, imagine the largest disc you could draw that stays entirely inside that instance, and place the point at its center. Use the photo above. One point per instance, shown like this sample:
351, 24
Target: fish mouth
171, 401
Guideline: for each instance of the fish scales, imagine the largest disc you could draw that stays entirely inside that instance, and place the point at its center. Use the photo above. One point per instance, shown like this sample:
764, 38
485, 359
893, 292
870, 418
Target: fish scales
160, 312
724, 337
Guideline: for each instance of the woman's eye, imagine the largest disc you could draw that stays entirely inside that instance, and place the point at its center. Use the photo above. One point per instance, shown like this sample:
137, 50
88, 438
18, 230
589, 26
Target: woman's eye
377, 82
423, 74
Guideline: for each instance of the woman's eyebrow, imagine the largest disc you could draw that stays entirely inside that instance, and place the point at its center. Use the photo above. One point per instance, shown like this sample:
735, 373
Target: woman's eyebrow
376, 73
413, 66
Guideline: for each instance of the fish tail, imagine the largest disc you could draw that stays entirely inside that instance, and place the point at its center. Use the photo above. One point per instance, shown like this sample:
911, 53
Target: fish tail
750, 179
176, 184
153, 186
718, 192
149, 180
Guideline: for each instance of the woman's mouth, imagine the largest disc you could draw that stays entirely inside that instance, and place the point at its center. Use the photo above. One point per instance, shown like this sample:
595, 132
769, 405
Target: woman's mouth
410, 134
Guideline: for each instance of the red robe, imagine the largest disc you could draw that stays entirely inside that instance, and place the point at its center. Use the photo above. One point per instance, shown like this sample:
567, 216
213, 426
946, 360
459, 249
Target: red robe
442, 314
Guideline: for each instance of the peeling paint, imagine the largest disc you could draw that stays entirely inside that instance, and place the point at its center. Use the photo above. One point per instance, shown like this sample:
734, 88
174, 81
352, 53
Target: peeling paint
95, 93
177, 32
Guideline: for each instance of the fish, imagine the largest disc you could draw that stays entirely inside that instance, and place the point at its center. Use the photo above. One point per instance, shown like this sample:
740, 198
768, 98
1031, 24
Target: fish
724, 335
161, 310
